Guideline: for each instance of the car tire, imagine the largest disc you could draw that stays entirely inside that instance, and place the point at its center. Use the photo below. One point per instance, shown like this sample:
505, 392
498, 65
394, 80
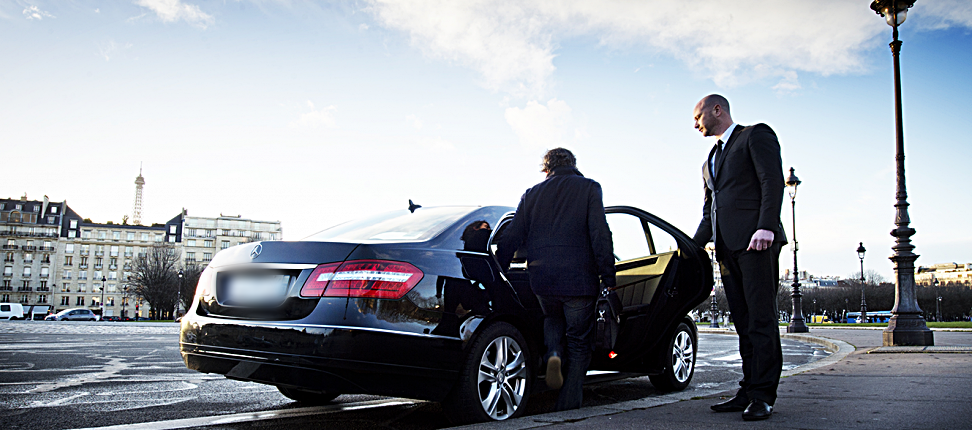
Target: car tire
495, 379
307, 396
678, 360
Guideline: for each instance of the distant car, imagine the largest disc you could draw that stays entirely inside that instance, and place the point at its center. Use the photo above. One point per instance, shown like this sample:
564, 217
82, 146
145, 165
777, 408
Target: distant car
397, 305
111, 318
11, 311
78, 314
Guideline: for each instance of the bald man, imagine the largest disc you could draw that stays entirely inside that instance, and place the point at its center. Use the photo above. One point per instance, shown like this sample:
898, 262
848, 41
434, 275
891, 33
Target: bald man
743, 178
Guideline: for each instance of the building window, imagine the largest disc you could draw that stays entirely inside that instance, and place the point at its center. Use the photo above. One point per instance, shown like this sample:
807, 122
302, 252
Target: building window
145, 237
128, 252
208, 244
83, 275
26, 271
112, 276
102, 234
69, 248
86, 234
42, 298
97, 275
191, 256
6, 297
73, 223
207, 256
65, 300
72, 234
67, 274
36, 209
172, 229
82, 288
8, 271
130, 236
23, 298
53, 209
116, 235
65, 287
158, 238
80, 301
50, 220
224, 244
28, 258
172, 239
114, 251
68, 260
191, 242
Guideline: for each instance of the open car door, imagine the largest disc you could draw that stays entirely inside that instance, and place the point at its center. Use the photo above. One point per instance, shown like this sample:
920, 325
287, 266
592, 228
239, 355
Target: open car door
661, 275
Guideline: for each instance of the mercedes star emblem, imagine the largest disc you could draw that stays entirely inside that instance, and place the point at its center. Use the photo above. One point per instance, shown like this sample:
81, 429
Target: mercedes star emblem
256, 251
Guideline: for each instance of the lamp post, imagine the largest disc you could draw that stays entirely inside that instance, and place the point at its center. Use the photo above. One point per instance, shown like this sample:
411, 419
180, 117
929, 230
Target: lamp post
713, 310
938, 309
103, 280
860, 255
797, 322
178, 297
907, 326
124, 301
814, 317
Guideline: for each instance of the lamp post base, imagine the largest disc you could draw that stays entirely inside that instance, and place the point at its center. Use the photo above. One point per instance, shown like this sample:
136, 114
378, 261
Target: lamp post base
797, 327
908, 330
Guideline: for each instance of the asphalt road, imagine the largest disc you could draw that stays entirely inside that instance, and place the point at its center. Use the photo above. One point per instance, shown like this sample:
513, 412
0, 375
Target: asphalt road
67, 375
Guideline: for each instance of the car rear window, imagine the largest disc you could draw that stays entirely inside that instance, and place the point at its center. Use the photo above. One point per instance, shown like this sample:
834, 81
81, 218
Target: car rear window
4, 308
396, 226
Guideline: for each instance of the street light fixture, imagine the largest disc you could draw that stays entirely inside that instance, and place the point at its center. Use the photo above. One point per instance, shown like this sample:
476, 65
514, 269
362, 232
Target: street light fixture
178, 297
124, 300
907, 326
712, 311
797, 322
103, 280
860, 255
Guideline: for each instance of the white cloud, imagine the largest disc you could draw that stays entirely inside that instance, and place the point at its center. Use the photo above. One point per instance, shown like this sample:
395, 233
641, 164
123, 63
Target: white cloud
543, 126
363, 27
108, 50
33, 12
414, 121
512, 43
436, 144
175, 10
317, 117
942, 14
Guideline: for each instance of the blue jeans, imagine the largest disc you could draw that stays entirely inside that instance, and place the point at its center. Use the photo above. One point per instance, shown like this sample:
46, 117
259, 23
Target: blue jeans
571, 317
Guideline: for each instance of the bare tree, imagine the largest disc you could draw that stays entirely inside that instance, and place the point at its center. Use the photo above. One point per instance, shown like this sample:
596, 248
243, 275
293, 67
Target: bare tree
155, 279
190, 278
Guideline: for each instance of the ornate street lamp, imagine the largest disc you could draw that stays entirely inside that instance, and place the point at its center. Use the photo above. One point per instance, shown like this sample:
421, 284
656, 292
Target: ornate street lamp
178, 297
713, 310
860, 255
907, 326
797, 322
124, 301
103, 280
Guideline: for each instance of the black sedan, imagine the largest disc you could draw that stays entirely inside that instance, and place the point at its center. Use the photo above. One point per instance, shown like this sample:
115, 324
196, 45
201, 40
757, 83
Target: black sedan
405, 304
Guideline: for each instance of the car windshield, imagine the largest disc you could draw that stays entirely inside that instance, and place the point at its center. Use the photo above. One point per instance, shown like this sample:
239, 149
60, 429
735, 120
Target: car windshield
396, 226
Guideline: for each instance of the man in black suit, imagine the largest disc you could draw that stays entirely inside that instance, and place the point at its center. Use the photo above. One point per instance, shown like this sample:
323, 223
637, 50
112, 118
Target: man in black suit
560, 223
743, 178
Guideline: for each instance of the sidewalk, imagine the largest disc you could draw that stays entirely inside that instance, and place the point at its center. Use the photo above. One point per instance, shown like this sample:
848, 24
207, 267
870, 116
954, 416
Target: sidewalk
856, 388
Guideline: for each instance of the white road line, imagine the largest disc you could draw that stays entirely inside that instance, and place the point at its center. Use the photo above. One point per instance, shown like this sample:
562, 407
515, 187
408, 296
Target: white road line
256, 416
58, 401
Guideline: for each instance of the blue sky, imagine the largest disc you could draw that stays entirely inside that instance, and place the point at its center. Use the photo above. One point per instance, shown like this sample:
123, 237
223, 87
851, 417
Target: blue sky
315, 113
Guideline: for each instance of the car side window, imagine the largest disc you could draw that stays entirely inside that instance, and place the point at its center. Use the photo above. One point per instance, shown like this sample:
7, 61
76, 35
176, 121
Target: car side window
662, 241
630, 239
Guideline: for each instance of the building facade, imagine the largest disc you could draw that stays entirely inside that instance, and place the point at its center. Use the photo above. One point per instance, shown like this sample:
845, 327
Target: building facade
55, 259
944, 274
94, 260
29, 236
205, 236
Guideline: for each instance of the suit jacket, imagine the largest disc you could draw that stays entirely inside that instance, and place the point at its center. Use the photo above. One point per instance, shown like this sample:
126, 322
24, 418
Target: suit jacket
560, 223
747, 193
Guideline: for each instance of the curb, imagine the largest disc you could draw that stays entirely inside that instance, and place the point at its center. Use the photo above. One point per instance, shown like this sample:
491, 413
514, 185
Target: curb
838, 348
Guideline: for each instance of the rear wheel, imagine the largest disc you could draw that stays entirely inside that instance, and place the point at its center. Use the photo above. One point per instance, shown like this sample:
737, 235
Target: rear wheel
307, 396
495, 379
679, 361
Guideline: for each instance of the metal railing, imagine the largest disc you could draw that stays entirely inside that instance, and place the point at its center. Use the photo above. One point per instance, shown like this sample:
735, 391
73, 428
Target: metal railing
10, 247
46, 248
24, 289
30, 248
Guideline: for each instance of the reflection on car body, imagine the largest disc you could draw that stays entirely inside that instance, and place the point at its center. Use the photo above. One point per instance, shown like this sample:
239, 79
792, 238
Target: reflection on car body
413, 304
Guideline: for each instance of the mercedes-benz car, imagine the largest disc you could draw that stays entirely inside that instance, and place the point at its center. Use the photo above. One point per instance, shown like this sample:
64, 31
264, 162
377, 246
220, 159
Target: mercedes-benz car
407, 304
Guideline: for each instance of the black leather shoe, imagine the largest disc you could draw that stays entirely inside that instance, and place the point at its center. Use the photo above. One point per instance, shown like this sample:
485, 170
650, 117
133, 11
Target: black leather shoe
735, 404
757, 410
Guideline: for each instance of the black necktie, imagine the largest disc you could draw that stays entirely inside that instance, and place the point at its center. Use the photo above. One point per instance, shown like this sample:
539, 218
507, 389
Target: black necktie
717, 158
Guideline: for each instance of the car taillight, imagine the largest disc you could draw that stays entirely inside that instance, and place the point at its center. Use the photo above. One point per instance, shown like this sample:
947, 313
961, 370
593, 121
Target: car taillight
317, 281
376, 279
202, 287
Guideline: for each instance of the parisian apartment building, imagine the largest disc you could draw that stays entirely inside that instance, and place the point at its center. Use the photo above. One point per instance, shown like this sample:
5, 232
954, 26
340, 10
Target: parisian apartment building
54, 259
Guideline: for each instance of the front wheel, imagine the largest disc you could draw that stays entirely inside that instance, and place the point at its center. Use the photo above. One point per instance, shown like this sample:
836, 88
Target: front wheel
496, 377
680, 361
307, 396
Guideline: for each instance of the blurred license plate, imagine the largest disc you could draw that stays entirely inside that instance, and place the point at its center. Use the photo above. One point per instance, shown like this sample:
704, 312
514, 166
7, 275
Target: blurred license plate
257, 290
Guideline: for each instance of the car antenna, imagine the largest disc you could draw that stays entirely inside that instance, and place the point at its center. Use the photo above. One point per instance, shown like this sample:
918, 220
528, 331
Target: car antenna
412, 206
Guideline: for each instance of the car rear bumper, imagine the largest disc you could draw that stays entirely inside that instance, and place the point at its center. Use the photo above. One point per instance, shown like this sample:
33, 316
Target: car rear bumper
323, 357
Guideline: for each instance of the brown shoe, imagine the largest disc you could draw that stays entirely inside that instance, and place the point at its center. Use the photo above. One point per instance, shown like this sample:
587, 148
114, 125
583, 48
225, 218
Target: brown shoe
554, 379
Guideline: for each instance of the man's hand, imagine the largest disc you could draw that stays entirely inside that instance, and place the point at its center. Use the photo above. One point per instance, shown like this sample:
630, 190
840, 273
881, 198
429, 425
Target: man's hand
761, 240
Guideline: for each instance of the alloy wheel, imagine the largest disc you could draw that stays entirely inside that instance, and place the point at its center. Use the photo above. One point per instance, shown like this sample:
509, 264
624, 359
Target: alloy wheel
502, 378
683, 356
